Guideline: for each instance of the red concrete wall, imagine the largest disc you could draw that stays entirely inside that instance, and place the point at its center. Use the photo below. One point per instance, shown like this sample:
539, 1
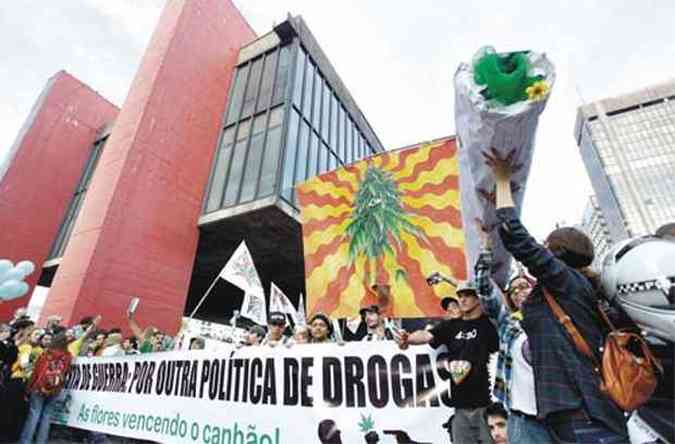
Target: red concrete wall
137, 232
43, 169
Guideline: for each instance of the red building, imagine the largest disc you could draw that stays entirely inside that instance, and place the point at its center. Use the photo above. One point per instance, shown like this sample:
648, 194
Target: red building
150, 199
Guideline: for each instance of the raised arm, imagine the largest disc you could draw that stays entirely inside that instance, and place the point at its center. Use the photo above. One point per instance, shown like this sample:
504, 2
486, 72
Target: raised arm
135, 328
540, 262
419, 337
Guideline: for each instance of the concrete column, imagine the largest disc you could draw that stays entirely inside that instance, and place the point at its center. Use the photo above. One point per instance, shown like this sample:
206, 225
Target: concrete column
39, 176
137, 232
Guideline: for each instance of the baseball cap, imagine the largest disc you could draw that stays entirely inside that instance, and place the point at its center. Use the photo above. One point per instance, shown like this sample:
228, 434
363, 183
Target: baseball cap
276, 318
467, 287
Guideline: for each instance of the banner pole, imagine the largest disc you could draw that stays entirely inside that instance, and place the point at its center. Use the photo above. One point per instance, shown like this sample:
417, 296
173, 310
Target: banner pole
204, 297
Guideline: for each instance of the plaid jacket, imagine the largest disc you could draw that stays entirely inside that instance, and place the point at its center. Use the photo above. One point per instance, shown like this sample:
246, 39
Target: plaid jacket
564, 378
508, 328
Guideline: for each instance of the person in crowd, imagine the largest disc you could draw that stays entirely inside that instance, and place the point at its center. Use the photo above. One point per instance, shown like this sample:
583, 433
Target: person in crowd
130, 345
514, 379
376, 330
301, 334
53, 323
113, 345
254, 335
567, 390
11, 390
450, 306
80, 333
22, 339
150, 339
45, 339
276, 324
497, 419
93, 345
320, 329
197, 344
20, 314
49, 376
470, 341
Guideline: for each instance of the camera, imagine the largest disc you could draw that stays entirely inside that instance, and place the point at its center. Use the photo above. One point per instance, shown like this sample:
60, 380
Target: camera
434, 278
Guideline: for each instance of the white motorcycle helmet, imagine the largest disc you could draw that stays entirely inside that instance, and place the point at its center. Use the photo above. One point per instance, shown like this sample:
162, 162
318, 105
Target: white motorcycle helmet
640, 274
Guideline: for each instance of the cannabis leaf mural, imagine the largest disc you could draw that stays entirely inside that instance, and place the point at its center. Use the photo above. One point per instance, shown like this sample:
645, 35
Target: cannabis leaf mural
391, 218
377, 220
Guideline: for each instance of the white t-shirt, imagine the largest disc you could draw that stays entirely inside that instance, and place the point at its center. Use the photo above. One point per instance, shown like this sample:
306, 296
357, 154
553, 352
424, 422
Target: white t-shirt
522, 378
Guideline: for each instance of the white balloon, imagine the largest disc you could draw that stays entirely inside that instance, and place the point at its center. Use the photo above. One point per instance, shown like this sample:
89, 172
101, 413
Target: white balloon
27, 267
12, 275
13, 289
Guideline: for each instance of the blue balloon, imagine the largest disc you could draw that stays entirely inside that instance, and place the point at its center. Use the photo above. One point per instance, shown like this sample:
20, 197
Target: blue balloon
13, 289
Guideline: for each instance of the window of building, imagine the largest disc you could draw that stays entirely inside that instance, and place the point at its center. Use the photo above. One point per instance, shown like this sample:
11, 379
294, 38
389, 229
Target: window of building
73, 211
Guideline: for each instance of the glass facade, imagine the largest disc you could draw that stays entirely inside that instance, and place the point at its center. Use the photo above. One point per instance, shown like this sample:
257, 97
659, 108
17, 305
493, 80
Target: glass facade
66, 229
247, 158
635, 152
595, 226
277, 134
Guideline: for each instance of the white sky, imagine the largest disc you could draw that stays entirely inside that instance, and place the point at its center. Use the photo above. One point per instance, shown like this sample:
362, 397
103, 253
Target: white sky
396, 57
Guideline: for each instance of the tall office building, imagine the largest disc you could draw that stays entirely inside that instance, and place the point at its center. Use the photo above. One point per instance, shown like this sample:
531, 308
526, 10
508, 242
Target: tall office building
594, 225
628, 147
151, 198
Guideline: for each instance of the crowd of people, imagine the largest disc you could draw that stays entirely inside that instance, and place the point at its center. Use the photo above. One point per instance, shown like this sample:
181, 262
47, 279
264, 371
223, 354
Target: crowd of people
546, 390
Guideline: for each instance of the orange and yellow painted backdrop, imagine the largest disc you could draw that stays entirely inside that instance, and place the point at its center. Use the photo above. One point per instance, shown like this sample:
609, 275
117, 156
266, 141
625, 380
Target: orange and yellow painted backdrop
392, 219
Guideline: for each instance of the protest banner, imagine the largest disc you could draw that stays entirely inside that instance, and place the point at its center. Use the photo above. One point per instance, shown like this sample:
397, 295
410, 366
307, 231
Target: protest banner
263, 395
392, 219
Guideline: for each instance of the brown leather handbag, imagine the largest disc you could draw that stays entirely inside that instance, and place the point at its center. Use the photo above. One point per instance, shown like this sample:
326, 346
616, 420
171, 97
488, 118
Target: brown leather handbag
626, 378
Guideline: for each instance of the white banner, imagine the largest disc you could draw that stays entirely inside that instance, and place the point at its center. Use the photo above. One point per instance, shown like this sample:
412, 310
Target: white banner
240, 271
263, 395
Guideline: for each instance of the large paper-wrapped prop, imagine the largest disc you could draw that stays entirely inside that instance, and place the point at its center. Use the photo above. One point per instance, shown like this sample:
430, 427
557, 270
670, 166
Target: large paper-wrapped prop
388, 221
498, 100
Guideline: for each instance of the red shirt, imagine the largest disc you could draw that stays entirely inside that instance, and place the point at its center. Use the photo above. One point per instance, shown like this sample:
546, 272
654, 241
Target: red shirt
42, 364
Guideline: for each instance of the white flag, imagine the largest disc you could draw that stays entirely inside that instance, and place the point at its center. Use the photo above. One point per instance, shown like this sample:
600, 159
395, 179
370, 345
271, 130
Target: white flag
302, 317
280, 302
254, 308
240, 271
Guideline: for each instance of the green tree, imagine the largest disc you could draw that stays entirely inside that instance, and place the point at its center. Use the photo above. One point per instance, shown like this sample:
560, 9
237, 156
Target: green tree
377, 221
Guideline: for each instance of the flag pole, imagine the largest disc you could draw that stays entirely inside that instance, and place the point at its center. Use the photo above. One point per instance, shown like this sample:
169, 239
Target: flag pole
204, 297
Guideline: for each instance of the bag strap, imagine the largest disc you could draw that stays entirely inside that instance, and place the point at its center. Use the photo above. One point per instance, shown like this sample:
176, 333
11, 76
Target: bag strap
567, 323
604, 317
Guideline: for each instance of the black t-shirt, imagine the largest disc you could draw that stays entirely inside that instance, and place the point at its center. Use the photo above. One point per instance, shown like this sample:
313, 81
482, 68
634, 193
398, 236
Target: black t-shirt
469, 340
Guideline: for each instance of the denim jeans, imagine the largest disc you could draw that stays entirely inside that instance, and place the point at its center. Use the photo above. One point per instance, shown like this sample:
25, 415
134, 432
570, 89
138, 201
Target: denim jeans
39, 417
469, 427
585, 431
524, 430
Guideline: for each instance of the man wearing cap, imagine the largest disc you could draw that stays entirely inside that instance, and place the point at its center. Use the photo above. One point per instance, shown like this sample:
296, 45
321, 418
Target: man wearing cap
470, 340
276, 324
375, 324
